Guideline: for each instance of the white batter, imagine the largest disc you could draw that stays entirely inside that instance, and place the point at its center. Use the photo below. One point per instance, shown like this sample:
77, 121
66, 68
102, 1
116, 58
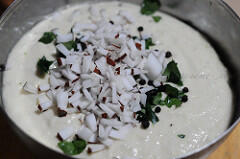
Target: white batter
203, 118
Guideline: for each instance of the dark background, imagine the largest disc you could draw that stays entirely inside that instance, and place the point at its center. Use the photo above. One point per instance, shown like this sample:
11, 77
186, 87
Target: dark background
4, 4
10, 146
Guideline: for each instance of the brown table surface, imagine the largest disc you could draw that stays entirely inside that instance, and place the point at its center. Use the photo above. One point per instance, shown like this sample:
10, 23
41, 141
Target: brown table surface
12, 148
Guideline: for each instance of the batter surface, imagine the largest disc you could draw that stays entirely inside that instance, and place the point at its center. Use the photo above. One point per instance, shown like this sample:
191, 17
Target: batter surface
202, 119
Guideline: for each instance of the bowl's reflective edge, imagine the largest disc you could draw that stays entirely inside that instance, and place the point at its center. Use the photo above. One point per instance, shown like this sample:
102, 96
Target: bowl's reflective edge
213, 18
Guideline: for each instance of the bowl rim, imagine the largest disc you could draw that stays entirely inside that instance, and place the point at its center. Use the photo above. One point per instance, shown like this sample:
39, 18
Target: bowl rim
7, 14
233, 125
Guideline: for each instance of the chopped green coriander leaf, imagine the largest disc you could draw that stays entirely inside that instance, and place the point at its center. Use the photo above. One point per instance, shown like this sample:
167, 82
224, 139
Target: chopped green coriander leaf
162, 103
70, 45
72, 148
150, 6
174, 97
157, 100
171, 91
182, 136
148, 43
151, 115
173, 74
43, 66
47, 37
156, 18
147, 114
169, 102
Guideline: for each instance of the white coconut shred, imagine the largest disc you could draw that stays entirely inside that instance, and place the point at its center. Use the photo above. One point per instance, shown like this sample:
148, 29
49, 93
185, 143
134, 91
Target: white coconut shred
99, 83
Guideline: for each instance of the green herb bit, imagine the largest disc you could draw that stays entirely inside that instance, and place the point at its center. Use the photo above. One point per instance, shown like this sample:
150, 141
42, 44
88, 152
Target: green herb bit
147, 114
171, 91
70, 45
148, 43
157, 100
156, 18
150, 6
43, 66
154, 98
169, 102
174, 96
47, 37
173, 74
182, 136
150, 114
72, 148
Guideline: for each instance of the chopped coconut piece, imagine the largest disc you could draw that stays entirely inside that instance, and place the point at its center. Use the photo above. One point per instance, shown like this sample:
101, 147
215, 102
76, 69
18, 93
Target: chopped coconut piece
64, 38
75, 97
44, 87
93, 139
101, 131
114, 94
62, 100
30, 88
91, 122
107, 110
95, 147
87, 94
61, 48
111, 122
85, 133
66, 133
44, 106
143, 98
153, 66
